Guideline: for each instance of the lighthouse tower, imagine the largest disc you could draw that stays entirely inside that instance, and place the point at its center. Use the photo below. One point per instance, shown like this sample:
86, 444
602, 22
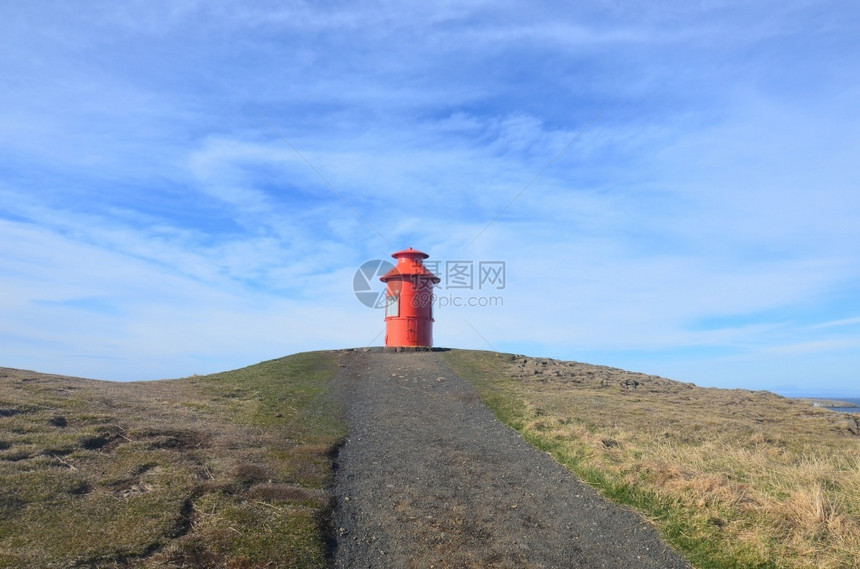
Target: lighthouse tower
409, 300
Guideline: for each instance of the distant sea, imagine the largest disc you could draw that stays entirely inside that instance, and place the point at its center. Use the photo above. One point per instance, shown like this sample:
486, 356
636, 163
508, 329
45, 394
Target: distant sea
847, 409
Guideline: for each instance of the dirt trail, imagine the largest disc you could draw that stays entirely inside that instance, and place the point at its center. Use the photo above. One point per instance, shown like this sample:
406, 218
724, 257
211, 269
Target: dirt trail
430, 478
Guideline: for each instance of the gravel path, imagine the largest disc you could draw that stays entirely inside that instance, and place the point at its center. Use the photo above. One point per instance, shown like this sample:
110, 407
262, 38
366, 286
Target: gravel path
429, 477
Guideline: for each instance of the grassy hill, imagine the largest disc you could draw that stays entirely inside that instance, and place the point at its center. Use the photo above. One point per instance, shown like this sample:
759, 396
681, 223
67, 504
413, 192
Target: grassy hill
230, 469
226, 470
733, 478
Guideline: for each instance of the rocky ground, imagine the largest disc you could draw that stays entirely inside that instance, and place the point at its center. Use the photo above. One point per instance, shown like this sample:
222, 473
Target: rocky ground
428, 477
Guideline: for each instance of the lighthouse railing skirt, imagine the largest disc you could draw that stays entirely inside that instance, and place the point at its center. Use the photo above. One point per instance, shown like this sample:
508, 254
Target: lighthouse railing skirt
409, 301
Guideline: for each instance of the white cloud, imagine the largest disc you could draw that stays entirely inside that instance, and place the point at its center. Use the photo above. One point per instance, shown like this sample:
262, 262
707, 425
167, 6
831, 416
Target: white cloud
841, 322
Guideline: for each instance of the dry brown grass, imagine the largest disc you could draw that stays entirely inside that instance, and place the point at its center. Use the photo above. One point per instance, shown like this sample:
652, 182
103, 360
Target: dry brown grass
734, 478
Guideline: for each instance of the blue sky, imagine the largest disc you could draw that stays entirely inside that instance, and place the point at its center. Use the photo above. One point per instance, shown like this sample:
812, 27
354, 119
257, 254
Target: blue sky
677, 182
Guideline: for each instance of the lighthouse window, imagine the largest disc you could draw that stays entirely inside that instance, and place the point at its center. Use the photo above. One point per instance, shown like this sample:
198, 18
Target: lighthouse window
392, 306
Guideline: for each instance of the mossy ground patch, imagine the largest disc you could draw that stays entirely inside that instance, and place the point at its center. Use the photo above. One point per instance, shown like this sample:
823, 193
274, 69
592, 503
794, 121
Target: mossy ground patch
220, 470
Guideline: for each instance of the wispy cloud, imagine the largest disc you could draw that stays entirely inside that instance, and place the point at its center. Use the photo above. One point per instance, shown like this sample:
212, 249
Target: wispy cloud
842, 322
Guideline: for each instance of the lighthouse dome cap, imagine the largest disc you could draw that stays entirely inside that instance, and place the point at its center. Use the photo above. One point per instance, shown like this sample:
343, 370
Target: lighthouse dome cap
405, 269
410, 252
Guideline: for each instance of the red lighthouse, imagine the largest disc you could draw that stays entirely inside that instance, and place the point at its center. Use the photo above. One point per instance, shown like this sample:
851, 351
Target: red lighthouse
409, 300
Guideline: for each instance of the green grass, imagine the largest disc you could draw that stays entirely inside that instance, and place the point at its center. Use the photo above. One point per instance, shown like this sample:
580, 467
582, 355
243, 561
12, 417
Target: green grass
226, 470
731, 478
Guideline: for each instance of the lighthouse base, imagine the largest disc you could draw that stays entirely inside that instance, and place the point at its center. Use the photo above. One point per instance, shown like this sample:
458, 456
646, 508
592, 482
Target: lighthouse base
405, 331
